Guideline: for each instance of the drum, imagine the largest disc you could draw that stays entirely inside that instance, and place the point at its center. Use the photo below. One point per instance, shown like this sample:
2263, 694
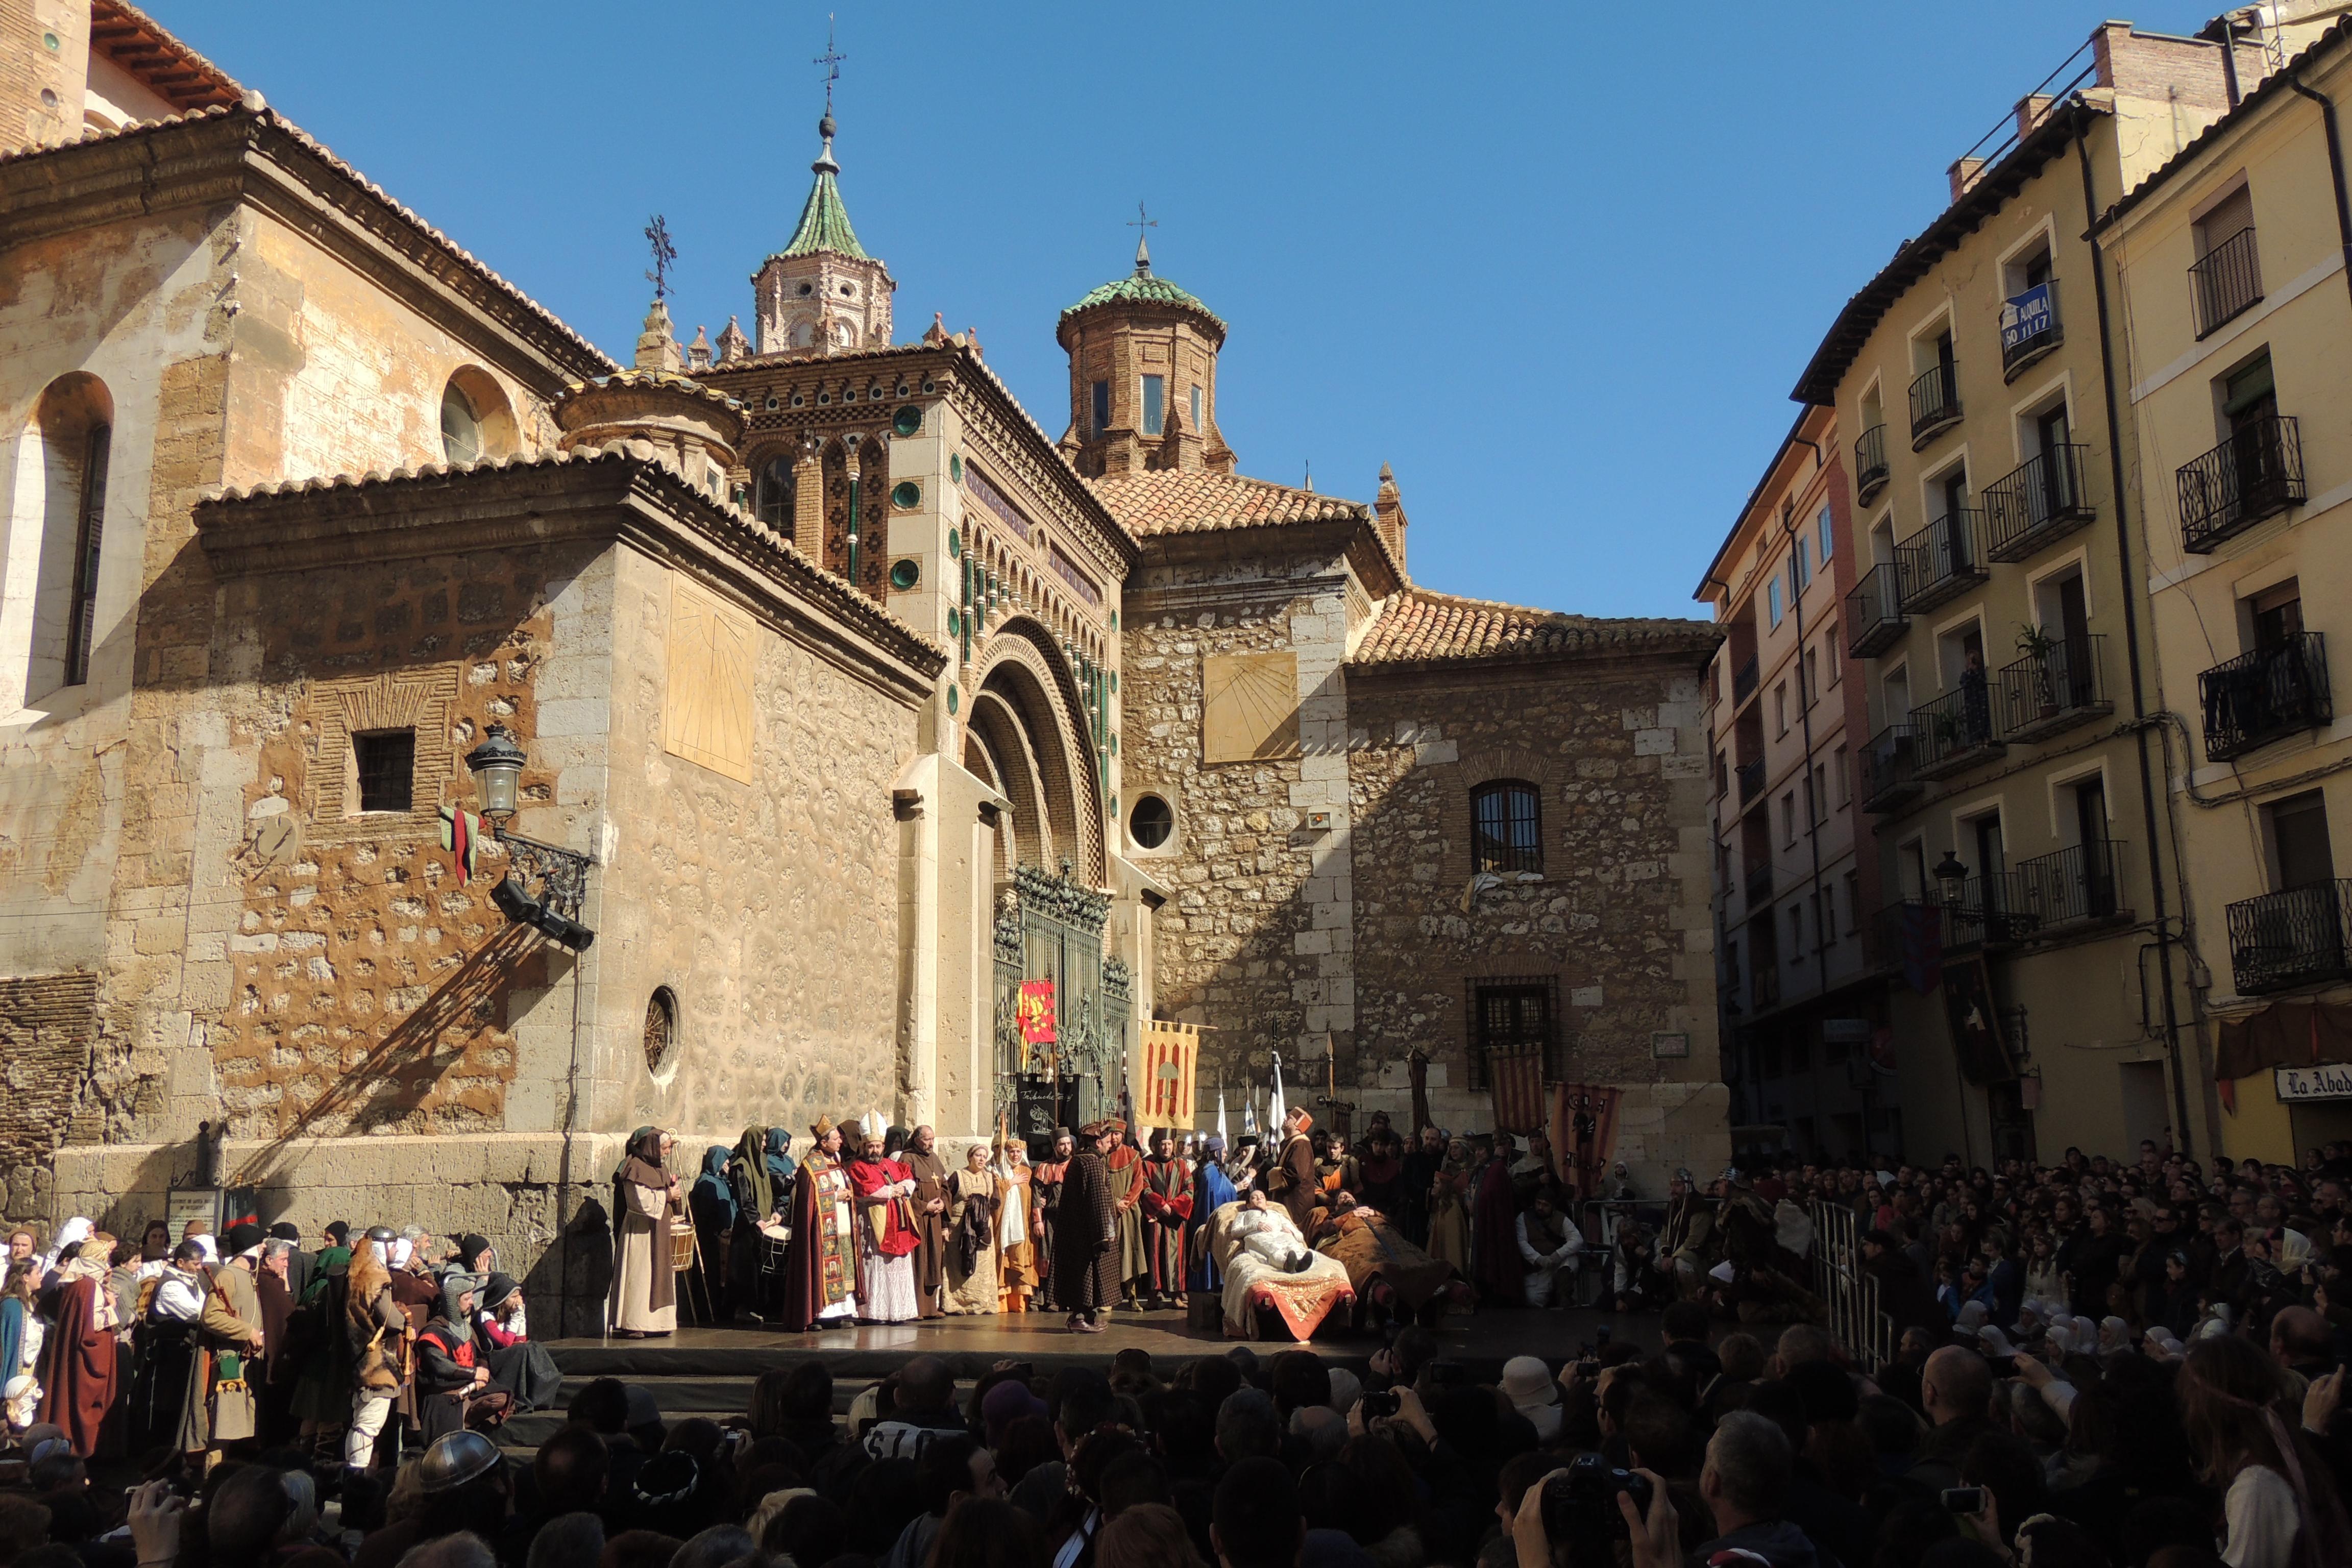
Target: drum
774, 1251
681, 1251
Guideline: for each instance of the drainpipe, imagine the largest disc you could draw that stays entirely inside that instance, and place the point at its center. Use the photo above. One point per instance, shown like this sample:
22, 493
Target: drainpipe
2181, 1126
2335, 169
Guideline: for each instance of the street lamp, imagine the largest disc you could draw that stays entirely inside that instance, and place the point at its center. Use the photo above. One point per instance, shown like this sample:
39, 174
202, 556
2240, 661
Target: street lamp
497, 765
1950, 877
562, 874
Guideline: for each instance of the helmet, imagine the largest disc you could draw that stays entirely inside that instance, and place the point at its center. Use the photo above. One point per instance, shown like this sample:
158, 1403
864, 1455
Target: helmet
381, 1235
455, 1458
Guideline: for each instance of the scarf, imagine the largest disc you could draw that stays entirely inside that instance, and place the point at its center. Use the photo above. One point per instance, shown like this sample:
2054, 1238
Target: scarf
711, 1188
758, 1185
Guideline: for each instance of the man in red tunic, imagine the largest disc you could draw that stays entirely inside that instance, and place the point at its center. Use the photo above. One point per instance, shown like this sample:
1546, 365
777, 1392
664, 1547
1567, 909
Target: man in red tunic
884, 1190
1167, 1204
1124, 1164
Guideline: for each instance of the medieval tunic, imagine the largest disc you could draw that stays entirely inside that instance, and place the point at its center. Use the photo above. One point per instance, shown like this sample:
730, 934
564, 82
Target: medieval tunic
1212, 1190
1124, 1168
1449, 1215
1045, 1191
819, 1282
931, 1174
219, 1407
973, 1277
1167, 1204
1294, 1182
644, 1297
884, 1189
78, 1381
1016, 1254
1494, 1238
1087, 1237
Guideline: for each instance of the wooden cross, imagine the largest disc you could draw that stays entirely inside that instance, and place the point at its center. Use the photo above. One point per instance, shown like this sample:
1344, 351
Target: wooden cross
664, 254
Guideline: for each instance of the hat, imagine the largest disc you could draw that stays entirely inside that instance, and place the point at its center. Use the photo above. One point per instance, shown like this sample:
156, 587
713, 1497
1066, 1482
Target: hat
1005, 1404
1527, 1381
1062, 1133
498, 1288
820, 1127
455, 1458
471, 1245
286, 1230
642, 1410
1093, 1129
244, 1237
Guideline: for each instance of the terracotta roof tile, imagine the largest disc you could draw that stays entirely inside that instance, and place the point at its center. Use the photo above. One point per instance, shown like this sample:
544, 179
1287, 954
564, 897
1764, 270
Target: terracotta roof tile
1180, 500
1418, 626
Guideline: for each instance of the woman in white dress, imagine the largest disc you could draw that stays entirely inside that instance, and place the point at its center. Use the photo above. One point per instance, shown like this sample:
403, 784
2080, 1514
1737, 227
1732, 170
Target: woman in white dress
645, 1199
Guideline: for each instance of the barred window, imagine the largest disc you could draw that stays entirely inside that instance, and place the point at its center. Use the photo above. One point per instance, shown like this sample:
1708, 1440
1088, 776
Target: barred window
1513, 1015
1509, 827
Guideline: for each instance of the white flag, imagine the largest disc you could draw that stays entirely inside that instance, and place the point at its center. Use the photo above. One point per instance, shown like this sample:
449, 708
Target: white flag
1221, 1112
1274, 1109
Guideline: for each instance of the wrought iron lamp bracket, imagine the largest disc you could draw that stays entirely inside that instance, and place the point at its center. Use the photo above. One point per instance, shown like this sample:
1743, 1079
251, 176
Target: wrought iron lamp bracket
562, 873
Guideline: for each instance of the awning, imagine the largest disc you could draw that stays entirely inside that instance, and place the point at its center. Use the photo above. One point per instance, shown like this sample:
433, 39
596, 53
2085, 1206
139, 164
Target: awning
2284, 1035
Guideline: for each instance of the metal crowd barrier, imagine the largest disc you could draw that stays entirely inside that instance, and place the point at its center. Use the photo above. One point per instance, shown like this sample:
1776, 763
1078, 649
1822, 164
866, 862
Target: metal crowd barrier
1851, 1295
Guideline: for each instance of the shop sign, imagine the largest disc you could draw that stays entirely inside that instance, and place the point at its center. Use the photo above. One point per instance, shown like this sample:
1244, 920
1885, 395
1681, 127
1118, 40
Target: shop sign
2330, 1082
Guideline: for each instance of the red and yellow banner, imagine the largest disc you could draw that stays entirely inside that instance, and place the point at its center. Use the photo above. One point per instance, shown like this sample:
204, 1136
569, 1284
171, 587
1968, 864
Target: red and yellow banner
1035, 1012
1172, 1059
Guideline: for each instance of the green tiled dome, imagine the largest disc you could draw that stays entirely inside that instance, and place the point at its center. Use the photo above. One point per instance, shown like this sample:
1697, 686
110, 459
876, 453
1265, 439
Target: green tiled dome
1141, 288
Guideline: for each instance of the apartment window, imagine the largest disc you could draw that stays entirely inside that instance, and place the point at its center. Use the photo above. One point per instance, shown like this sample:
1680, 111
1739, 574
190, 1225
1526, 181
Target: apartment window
1852, 901
1829, 640
1826, 929
1789, 818
1844, 775
1801, 572
1796, 932
385, 762
1196, 411
1102, 406
1772, 600
1722, 775
2249, 394
1155, 401
2227, 279
1780, 709
1812, 676
1817, 793
1507, 830
2300, 853
1822, 536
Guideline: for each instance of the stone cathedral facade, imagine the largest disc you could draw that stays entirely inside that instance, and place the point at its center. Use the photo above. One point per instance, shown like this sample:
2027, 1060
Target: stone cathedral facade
849, 698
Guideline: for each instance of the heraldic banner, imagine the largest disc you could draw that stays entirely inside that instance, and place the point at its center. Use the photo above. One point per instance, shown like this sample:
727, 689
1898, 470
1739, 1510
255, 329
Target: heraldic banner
1172, 1059
1583, 1133
1516, 1074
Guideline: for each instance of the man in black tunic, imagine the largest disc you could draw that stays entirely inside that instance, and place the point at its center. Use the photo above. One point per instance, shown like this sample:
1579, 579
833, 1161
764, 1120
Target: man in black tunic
1086, 1235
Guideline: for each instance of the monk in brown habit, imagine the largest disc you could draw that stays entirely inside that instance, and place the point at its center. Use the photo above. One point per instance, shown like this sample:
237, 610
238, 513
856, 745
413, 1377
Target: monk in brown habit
922, 1157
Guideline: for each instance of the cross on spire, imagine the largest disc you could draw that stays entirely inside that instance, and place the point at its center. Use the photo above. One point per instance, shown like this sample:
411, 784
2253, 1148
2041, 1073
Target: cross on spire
831, 60
1140, 222
665, 255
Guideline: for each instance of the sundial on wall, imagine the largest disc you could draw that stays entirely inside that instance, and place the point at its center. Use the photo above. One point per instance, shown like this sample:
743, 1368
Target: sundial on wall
1249, 706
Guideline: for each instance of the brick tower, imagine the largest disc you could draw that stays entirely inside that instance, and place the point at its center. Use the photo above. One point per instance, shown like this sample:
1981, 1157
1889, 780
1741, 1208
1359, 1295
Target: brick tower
822, 292
1143, 378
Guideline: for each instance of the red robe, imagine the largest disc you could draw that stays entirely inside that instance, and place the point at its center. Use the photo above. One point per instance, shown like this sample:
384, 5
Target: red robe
78, 1367
1167, 1204
1493, 1236
821, 1267
889, 1227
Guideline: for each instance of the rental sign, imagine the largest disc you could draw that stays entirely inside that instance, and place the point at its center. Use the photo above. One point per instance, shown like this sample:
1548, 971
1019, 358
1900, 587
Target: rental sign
2024, 317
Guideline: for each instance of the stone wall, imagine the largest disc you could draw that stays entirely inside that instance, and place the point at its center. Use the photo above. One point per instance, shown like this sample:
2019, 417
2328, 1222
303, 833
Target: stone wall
44, 1029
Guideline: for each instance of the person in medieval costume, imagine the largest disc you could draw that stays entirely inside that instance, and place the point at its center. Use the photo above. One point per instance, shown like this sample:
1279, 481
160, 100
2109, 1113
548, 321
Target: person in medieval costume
1045, 1190
1686, 1247
931, 1222
975, 1277
229, 1345
1086, 1233
376, 1330
1293, 1180
1124, 1162
884, 1191
820, 1269
1167, 1205
1212, 1190
80, 1369
1015, 1208
1449, 1208
645, 1200
711, 1203
760, 1178
1495, 1257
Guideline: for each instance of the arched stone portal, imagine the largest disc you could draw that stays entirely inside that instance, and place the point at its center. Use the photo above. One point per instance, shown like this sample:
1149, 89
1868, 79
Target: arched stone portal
1027, 717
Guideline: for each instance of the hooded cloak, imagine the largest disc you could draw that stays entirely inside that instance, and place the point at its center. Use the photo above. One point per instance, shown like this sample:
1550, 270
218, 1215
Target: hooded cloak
712, 1199
78, 1380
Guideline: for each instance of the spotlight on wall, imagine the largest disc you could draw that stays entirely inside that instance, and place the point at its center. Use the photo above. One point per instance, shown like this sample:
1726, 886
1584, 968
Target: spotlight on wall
514, 901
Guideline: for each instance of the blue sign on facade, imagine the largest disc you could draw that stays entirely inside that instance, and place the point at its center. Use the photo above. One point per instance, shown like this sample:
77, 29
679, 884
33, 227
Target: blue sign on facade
2026, 316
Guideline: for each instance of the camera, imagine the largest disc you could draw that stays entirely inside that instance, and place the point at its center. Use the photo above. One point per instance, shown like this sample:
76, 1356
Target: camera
1379, 1403
1579, 1508
1968, 1500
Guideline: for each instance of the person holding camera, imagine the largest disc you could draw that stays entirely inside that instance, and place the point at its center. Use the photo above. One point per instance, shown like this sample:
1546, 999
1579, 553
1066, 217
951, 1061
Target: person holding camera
1569, 1518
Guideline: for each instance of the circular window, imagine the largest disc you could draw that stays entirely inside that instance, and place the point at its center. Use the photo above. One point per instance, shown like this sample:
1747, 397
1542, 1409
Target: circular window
908, 420
873, 394
798, 400
49, 42
846, 290
1151, 822
772, 402
951, 700
955, 545
904, 574
955, 467
905, 494
902, 391
1114, 626
928, 384
805, 287
661, 1028
823, 399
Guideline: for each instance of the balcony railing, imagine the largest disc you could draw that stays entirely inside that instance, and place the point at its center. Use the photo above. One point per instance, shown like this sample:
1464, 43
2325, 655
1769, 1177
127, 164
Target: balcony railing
2256, 473
1869, 464
2042, 694
1992, 910
1935, 403
1743, 681
1759, 878
2026, 339
1874, 620
2280, 940
2265, 696
1890, 769
1751, 780
1956, 731
2226, 281
2073, 885
1942, 560
2041, 500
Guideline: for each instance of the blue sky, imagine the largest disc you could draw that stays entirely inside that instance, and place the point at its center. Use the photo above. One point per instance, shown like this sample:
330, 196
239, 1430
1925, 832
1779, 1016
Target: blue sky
1558, 264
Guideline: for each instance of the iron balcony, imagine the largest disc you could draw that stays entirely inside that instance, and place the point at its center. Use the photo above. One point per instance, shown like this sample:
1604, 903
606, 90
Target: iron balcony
2076, 885
1869, 465
1874, 620
2038, 502
1991, 911
2044, 693
1751, 780
1935, 403
1942, 560
2265, 696
2226, 281
1743, 682
2255, 474
1956, 731
1758, 880
2282, 941
1890, 772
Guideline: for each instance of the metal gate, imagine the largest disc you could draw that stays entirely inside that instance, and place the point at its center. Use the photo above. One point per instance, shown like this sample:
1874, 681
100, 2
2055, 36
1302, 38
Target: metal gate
1050, 927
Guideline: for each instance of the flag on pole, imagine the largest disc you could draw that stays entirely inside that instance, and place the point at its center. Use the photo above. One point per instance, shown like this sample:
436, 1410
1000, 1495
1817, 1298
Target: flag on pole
1222, 1136
1274, 1108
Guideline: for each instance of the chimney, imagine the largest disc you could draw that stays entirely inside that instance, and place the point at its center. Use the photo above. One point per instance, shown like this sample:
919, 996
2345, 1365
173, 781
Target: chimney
1964, 172
1387, 514
2030, 109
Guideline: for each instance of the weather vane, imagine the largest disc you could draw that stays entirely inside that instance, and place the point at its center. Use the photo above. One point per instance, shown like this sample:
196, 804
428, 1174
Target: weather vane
665, 255
1140, 222
831, 60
